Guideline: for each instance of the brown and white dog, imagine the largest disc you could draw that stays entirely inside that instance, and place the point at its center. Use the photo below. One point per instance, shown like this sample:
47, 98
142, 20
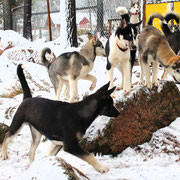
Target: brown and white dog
154, 47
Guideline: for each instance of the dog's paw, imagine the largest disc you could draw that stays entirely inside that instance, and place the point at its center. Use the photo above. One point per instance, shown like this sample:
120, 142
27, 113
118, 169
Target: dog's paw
3, 155
156, 83
141, 82
93, 85
66, 95
102, 169
149, 85
127, 89
119, 87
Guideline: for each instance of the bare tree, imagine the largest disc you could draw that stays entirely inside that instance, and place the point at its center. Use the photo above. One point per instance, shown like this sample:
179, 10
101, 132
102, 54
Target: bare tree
7, 16
27, 29
71, 23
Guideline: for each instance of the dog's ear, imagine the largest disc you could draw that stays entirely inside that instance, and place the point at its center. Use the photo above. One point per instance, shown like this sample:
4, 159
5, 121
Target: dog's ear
104, 88
90, 36
111, 90
132, 3
95, 37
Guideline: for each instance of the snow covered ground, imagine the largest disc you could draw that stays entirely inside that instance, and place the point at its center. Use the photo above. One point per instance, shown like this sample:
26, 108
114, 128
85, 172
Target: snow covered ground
155, 160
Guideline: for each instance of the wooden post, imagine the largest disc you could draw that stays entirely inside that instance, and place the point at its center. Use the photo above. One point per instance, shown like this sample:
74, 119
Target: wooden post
49, 21
144, 13
109, 22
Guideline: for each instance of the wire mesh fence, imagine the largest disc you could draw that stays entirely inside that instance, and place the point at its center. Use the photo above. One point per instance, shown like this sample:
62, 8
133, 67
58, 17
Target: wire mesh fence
91, 16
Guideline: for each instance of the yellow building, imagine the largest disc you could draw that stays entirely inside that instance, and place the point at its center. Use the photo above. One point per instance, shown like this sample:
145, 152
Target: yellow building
161, 8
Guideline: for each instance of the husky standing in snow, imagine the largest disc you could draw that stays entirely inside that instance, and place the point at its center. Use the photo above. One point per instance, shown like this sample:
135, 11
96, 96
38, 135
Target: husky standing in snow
154, 47
69, 67
118, 50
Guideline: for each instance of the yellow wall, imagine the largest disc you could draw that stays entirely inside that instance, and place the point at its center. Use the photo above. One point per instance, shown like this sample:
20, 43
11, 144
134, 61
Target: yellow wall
161, 8
177, 7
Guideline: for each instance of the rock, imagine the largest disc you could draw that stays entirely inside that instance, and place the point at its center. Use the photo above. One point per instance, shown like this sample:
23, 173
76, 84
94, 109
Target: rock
3, 130
143, 113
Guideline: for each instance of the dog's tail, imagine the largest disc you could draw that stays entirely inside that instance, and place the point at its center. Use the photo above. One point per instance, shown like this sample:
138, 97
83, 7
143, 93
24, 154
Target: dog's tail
168, 17
24, 84
108, 66
123, 12
152, 17
172, 15
107, 49
43, 58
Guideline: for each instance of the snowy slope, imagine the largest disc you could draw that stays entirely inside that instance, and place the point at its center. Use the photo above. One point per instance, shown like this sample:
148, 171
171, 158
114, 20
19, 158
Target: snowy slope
150, 161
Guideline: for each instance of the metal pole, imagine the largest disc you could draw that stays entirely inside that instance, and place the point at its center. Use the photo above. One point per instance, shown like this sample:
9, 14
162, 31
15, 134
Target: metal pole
49, 21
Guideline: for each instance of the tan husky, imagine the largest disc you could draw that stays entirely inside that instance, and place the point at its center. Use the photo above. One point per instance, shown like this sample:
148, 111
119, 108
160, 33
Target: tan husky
154, 47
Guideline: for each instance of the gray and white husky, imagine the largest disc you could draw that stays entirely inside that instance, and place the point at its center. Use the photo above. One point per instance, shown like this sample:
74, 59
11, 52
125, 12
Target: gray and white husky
69, 67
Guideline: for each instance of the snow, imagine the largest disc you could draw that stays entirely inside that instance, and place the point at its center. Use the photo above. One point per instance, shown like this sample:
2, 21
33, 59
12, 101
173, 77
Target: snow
153, 160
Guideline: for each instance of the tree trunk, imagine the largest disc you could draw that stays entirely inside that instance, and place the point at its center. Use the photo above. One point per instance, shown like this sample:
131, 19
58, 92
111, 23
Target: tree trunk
71, 23
27, 29
7, 16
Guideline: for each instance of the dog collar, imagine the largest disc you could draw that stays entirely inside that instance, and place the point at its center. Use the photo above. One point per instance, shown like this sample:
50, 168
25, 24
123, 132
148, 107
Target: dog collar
123, 50
135, 13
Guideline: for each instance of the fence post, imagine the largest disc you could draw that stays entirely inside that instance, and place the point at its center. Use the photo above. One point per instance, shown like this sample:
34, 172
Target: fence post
100, 17
144, 13
49, 21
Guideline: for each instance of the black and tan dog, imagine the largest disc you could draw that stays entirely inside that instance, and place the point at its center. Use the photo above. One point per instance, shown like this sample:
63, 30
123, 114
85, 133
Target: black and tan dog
61, 122
154, 47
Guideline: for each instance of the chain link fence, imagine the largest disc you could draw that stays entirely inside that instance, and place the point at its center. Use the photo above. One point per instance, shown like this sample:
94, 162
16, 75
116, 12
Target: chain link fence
91, 16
